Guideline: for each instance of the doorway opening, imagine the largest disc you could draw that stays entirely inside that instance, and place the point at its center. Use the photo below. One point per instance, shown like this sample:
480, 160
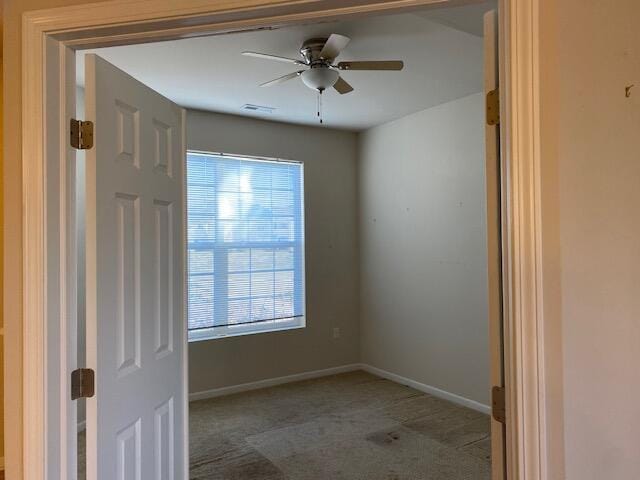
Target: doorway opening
337, 300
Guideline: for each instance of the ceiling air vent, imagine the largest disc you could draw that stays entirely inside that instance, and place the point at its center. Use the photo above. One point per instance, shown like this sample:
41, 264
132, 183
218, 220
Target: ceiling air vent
257, 108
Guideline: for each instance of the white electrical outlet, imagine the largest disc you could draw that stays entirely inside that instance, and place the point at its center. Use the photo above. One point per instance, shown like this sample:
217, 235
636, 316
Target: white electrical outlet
336, 332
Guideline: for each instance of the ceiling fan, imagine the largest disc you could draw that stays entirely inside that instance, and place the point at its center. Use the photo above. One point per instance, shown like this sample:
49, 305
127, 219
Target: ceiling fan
318, 55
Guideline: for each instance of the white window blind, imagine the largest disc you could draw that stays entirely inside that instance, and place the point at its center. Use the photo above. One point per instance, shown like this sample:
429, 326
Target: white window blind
246, 245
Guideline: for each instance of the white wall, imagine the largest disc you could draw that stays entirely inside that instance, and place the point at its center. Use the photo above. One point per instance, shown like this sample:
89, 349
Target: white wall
329, 158
591, 235
423, 248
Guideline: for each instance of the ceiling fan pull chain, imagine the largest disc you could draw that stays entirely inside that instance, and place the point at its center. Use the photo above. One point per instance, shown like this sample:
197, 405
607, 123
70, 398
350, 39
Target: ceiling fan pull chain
320, 105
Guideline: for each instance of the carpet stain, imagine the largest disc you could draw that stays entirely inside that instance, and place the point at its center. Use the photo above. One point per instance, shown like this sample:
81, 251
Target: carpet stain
383, 438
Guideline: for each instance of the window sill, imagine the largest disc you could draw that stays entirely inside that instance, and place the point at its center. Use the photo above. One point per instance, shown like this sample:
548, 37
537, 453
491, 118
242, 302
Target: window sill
241, 330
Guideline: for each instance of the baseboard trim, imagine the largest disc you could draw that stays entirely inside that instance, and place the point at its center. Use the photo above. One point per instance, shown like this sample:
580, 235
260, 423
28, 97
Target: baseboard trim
272, 382
436, 392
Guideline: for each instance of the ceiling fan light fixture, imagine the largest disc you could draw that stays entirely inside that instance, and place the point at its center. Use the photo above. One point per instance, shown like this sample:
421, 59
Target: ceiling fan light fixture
320, 78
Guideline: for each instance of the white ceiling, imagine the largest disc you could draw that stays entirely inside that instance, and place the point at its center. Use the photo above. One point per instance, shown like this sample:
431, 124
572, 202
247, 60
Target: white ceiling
468, 18
441, 50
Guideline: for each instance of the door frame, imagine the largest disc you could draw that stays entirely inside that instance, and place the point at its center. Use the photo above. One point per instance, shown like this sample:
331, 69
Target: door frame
48, 39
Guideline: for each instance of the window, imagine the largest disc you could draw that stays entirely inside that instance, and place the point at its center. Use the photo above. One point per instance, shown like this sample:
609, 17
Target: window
245, 241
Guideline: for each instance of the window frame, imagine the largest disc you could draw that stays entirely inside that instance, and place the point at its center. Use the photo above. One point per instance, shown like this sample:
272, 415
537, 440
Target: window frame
248, 328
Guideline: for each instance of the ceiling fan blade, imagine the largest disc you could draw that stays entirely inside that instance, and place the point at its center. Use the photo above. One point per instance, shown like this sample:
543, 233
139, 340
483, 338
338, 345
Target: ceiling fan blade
284, 78
342, 86
373, 65
266, 56
334, 45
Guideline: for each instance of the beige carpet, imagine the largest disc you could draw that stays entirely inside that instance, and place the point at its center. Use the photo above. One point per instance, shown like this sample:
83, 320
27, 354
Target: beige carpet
344, 427
353, 426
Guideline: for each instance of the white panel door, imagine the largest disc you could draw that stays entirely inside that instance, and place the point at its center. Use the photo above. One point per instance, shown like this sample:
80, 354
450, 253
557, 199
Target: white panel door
135, 243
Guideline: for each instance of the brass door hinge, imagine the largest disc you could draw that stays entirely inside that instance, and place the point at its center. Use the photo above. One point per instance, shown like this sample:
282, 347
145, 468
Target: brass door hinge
81, 134
82, 383
493, 107
498, 404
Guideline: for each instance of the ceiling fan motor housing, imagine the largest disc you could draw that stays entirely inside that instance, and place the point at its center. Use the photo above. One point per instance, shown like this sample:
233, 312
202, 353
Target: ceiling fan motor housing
311, 49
